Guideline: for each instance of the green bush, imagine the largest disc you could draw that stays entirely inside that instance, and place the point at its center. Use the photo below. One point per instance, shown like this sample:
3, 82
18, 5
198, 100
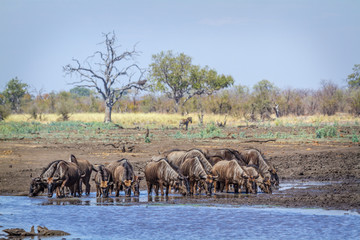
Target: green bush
4, 112
354, 138
327, 131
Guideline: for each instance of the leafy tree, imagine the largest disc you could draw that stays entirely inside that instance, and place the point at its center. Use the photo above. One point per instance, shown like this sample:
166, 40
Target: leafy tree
80, 91
15, 90
354, 78
175, 76
330, 97
111, 75
262, 99
354, 101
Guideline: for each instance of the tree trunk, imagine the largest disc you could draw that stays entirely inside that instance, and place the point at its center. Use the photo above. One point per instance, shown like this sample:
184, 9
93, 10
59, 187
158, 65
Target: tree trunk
107, 114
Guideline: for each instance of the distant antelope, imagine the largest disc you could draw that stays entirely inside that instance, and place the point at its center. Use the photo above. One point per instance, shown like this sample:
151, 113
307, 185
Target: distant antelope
185, 122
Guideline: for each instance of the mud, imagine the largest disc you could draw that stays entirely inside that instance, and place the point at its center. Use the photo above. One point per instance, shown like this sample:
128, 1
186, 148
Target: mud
324, 161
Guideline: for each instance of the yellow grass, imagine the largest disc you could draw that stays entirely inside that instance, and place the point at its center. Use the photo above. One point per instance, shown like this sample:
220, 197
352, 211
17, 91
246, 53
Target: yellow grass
126, 119
159, 119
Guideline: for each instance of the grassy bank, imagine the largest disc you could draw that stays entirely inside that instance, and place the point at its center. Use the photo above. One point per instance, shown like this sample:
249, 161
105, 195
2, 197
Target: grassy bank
153, 120
89, 127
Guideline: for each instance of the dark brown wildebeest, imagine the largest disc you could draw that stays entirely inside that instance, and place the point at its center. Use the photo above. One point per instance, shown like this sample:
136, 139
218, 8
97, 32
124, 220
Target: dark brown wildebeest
177, 157
103, 180
111, 166
254, 156
125, 179
194, 170
39, 184
256, 177
185, 122
160, 174
136, 182
230, 172
65, 174
86, 169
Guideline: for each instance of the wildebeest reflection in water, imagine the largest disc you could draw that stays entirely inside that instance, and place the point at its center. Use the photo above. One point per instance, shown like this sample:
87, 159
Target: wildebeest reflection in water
66, 201
116, 201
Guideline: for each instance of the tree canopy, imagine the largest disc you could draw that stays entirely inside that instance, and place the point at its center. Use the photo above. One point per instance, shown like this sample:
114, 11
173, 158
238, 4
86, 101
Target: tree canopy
112, 74
14, 91
176, 77
353, 79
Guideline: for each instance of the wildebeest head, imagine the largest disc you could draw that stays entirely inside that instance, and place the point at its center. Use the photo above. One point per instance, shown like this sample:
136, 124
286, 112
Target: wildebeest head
127, 187
208, 183
135, 185
251, 184
265, 185
274, 177
105, 183
182, 185
53, 183
37, 185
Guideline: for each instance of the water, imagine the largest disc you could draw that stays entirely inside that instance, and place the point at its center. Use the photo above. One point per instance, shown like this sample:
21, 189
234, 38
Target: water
154, 218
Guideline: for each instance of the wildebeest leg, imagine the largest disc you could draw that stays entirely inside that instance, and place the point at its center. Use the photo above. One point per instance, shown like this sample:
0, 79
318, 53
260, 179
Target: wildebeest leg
227, 185
87, 185
98, 191
57, 192
167, 186
78, 187
236, 188
117, 189
161, 186
149, 186
157, 189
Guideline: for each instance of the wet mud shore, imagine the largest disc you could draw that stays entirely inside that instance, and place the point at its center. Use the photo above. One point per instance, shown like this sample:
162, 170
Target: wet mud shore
336, 166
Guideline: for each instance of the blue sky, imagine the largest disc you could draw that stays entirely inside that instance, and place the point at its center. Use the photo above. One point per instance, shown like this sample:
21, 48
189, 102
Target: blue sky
293, 44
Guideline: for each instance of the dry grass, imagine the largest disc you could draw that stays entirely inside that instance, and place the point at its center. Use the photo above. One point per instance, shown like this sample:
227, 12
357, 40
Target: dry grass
126, 119
172, 120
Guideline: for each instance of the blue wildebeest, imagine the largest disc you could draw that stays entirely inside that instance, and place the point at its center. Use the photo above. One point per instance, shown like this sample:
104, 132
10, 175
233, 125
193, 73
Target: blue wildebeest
160, 174
103, 180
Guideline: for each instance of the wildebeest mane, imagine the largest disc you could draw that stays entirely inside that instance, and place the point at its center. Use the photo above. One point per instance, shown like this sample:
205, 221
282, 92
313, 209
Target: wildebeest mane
196, 153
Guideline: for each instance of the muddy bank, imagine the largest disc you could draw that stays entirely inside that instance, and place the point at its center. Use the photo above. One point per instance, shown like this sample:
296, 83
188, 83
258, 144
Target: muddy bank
21, 160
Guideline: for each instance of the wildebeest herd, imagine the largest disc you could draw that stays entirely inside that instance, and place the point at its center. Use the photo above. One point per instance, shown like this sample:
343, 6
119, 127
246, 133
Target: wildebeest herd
187, 172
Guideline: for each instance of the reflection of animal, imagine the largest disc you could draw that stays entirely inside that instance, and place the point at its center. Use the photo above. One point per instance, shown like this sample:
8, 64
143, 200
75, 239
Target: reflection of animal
160, 174
86, 168
177, 157
125, 179
230, 172
254, 156
185, 122
194, 170
65, 174
103, 180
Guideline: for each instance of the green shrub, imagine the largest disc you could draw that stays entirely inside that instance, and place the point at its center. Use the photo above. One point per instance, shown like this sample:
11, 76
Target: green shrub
327, 131
210, 131
4, 112
354, 138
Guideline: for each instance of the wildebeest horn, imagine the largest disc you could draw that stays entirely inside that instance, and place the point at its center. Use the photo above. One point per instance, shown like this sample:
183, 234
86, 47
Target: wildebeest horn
73, 159
96, 167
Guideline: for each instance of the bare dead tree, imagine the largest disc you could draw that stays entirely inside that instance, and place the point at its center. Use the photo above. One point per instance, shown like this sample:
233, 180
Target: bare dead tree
110, 74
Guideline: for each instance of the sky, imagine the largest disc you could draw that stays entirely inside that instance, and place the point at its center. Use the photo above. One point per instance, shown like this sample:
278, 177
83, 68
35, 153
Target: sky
293, 44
